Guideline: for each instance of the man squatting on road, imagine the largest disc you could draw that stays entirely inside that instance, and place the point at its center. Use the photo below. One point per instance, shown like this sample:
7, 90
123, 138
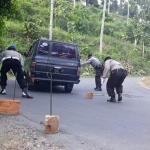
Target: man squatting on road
116, 78
14, 61
98, 70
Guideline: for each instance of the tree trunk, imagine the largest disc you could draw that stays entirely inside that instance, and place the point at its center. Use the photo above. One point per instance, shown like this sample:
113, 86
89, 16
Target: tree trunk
135, 42
120, 3
128, 13
143, 52
86, 2
102, 26
74, 3
108, 6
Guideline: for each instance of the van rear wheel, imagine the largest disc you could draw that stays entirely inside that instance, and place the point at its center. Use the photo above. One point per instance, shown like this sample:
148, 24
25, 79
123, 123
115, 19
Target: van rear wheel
33, 87
68, 88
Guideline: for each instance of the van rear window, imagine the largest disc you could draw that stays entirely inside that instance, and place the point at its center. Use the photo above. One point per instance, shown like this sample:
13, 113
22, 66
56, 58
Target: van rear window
43, 48
64, 51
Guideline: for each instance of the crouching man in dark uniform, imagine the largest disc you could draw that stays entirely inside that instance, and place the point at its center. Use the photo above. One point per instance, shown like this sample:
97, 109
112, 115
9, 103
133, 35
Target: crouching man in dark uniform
98, 70
116, 78
14, 61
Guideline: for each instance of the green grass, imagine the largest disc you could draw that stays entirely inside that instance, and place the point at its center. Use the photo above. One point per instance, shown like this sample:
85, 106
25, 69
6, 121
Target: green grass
93, 76
9, 76
86, 76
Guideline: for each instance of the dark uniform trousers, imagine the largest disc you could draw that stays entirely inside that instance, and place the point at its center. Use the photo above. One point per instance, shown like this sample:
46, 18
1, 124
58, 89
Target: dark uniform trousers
115, 81
16, 67
98, 73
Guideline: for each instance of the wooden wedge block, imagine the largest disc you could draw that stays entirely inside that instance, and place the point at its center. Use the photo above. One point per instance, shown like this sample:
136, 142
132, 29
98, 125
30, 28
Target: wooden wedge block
51, 124
9, 107
89, 95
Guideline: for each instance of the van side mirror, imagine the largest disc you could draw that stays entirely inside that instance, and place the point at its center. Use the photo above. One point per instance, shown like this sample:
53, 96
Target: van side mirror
25, 54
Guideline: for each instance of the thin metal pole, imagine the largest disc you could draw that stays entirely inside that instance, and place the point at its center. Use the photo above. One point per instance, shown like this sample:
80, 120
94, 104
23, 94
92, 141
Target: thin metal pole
15, 87
51, 95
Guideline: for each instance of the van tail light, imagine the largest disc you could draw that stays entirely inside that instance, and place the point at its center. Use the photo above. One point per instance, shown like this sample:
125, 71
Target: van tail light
79, 71
33, 66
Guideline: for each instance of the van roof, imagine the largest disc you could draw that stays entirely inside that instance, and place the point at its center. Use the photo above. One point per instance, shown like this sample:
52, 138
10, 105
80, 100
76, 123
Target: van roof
55, 41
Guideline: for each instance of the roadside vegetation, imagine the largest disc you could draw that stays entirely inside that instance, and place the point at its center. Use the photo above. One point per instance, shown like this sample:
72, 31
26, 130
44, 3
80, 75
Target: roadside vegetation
29, 20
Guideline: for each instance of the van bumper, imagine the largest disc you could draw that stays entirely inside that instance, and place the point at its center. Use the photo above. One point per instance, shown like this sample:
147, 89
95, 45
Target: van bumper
56, 78
56, 81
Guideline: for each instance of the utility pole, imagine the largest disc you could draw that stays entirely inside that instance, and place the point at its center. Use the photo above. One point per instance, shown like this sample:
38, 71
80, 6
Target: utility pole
51, 20
102, 26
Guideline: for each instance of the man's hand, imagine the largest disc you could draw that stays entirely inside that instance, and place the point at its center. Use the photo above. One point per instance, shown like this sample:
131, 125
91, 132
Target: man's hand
103, 80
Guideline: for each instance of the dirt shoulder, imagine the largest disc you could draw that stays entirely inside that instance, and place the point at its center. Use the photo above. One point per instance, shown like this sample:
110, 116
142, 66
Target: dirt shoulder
145, 82
17, 134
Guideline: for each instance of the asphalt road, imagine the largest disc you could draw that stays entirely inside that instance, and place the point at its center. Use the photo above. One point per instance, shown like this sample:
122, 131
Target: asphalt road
91, 124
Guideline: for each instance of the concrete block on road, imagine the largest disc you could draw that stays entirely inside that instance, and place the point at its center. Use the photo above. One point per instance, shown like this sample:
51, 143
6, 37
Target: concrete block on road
51, 124
89, 95
9, 107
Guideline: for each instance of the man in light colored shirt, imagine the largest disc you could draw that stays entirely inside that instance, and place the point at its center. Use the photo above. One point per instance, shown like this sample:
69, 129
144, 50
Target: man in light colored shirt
116, 78
98, 70
14, 61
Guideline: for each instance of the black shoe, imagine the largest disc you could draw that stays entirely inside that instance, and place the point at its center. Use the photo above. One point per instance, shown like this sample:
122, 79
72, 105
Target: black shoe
98, 89
119, 97
95, 88
112, 100
26, 95
3, 92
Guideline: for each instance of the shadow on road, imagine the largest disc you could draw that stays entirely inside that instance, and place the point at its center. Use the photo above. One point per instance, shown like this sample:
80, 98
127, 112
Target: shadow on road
46, 88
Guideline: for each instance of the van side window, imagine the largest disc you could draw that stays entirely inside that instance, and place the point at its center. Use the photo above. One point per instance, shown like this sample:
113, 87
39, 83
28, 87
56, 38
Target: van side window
64, 51
43, 48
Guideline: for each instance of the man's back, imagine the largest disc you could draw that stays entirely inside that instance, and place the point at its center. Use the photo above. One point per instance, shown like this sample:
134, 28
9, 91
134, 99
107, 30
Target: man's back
11, 53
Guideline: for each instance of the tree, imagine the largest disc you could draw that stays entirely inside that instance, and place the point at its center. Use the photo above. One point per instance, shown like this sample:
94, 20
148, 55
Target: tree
108, 6
74, 3
128, 12
9, 9
141, 22
102, 3
92, 2
114, 6
30, 31
121, 6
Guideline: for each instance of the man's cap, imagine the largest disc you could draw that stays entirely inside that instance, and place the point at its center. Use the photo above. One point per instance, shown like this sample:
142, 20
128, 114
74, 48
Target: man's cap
108, 57
12, 47
89, 55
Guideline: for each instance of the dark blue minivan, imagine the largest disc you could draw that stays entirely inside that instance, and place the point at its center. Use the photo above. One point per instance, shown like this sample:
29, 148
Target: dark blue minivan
46, 58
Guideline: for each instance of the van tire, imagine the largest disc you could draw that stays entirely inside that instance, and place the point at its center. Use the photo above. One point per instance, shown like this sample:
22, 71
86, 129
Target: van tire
68, 88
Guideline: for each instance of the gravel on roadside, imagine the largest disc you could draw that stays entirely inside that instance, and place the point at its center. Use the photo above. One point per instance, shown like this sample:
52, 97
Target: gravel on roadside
145, 82
15, 135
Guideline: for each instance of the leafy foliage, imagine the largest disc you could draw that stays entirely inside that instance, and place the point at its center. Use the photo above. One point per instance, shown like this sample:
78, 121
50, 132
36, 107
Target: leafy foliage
81, 25
8, 9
